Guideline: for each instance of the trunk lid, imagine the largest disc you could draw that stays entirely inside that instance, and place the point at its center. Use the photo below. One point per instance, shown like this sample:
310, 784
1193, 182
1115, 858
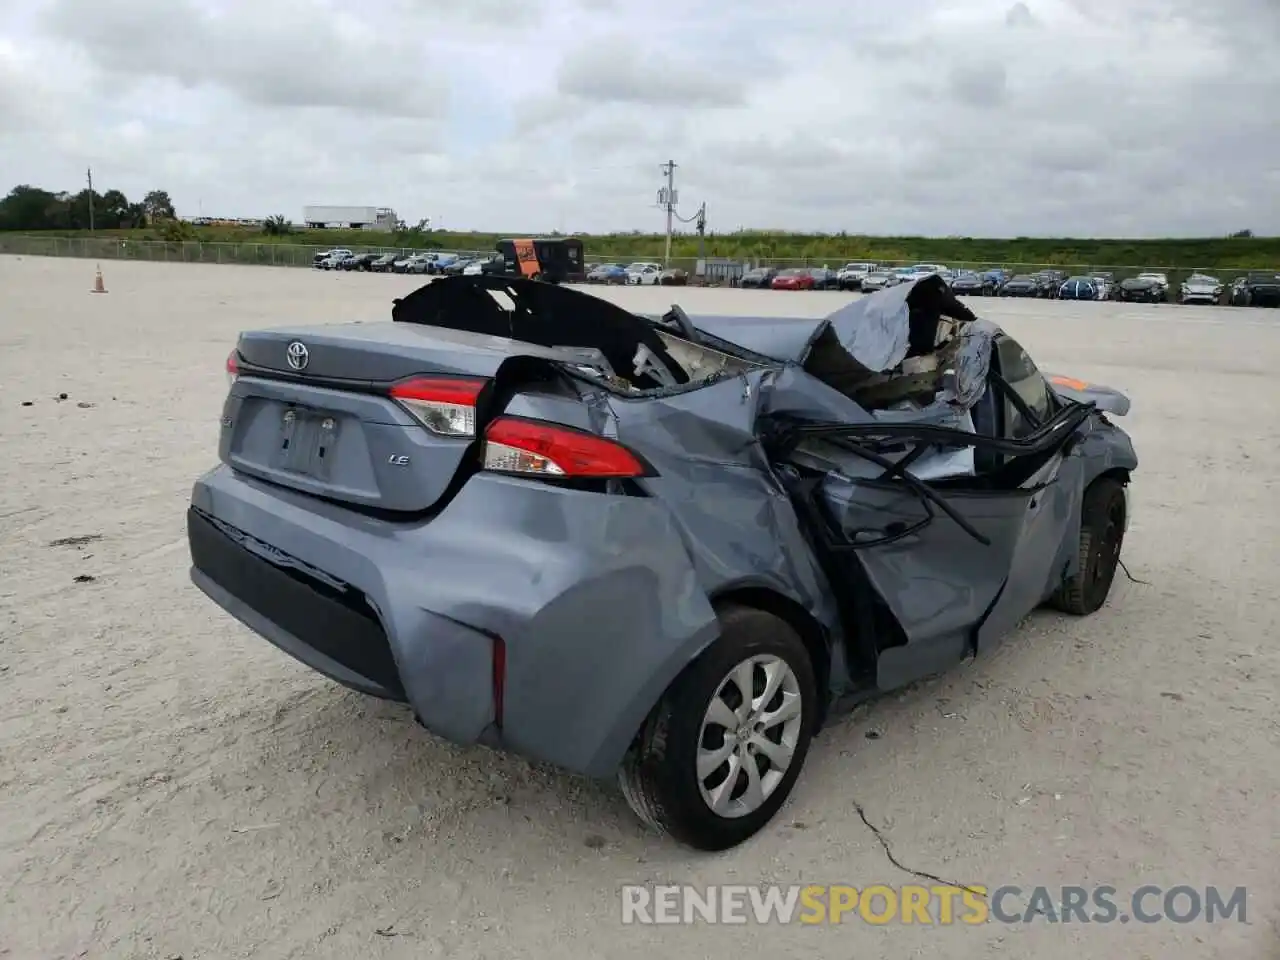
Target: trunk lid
326, 423
386, 415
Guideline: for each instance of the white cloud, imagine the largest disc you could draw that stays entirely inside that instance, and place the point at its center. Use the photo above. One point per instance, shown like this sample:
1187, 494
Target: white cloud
972, 117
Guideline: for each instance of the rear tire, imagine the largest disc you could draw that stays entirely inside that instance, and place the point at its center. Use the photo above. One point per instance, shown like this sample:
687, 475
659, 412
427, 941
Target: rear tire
1102, 520
671, 778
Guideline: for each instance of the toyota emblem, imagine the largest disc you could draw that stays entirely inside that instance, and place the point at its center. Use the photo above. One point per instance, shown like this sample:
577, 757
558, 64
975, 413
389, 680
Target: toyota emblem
298, 355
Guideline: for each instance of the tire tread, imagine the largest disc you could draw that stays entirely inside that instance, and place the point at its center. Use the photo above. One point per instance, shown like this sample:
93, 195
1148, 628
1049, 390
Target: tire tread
647, 777
1071, 597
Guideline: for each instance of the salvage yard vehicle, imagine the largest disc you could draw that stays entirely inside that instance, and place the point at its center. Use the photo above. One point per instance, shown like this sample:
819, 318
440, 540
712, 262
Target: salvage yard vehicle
996, 277
824, 278
335, 259
850, 276
551, 259
614, 273
441, 262
1079, 288
758, 278
1259, 288
793, 278
641, 274
1201, 288
1144, 288
359, 261
337, 253
970, 282
921, 270
879, 279
414, 263
1023, 285
659, 548
1051, 282
495, 263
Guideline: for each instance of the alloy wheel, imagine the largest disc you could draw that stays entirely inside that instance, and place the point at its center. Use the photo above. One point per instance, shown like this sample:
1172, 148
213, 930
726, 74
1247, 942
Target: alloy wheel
749, 735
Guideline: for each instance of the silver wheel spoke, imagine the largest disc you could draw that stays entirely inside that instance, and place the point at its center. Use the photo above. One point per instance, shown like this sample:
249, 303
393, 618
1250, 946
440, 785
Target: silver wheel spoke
721, 794
790, 709
709, 761
754, 795
744, 679
774, 674
779, 754
720, 714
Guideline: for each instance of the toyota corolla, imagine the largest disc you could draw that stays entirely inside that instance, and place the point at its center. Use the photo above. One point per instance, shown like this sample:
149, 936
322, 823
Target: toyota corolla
661, 549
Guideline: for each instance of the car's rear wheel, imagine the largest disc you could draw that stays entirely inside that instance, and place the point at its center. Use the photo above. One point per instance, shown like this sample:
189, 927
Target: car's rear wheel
721, 751
1102, 523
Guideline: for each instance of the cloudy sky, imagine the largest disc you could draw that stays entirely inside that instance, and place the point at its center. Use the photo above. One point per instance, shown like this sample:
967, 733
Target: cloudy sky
965, 117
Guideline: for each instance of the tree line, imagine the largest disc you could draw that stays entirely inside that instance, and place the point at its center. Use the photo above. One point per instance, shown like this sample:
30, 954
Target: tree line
33, 208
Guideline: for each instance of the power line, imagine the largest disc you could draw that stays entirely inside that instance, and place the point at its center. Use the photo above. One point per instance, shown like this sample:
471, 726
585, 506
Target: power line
667, 199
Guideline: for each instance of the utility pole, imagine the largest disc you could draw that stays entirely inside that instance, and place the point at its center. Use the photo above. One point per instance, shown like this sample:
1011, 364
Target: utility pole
90, 172
702, 230
667, 198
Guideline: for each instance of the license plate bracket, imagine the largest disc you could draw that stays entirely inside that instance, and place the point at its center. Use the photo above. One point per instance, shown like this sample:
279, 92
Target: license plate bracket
307, 441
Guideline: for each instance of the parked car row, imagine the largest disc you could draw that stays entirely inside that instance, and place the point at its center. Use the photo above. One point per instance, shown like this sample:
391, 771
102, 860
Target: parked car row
439, 263
552, 259
1258, 288
641, 273
861, 276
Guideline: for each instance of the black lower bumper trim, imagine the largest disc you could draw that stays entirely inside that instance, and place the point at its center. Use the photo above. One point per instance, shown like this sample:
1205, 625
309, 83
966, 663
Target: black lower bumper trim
337, 623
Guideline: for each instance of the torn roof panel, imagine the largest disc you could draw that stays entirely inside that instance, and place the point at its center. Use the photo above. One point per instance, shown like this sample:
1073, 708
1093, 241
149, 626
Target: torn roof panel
785, 339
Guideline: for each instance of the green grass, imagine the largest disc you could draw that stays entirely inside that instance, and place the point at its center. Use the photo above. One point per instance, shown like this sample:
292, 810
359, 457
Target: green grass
1214, 254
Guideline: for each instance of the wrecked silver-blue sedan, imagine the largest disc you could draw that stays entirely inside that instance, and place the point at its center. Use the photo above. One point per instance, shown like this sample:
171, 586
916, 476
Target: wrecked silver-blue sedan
657, 548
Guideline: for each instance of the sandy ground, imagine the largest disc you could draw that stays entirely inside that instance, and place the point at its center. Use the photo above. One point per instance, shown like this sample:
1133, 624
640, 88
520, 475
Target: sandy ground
172, 786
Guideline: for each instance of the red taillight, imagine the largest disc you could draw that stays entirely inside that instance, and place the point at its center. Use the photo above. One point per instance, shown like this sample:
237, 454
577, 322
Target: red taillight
444, 405
499, 678
233, 367
532, 448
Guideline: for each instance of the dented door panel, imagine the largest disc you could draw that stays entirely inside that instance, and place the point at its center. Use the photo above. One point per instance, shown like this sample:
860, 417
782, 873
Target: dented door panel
1052, 515
938, 578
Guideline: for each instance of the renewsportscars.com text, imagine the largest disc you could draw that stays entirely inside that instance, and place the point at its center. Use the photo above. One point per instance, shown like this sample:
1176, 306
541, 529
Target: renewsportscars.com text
942, 905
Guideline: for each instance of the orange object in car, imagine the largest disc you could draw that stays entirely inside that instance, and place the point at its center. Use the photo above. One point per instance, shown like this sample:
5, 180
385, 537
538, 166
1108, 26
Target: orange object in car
527, 257
1069, 383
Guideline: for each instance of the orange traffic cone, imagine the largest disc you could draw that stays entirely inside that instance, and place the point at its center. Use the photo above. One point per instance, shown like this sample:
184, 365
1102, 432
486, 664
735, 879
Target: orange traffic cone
98, 285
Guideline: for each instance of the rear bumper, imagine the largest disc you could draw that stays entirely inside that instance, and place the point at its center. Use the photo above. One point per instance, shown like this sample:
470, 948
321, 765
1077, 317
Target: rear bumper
593, 596
328, 627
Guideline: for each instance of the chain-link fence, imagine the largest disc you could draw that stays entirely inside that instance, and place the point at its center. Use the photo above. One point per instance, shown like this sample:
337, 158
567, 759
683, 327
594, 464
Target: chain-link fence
304, 255
190, 251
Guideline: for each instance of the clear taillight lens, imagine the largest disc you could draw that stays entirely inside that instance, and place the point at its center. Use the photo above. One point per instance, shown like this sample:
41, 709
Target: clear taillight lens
233, 368
444, 405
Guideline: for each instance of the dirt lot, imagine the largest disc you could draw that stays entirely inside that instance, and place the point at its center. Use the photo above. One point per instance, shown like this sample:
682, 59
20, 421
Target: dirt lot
171, 785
